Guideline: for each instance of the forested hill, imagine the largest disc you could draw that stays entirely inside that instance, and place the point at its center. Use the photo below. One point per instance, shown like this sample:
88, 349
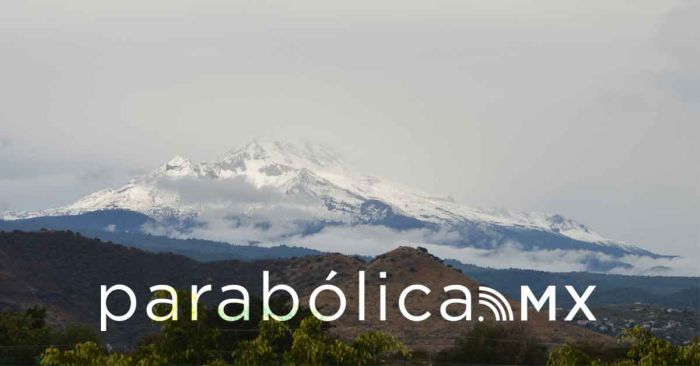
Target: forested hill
63, 272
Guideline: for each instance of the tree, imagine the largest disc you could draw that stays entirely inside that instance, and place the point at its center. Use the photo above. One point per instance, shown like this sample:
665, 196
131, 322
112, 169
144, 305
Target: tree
202, 342
181, 342
690, 354
374, 347
567, 355
496, 344
311, 346
644, 349
83, 354
23, 336
267, 348
648, 350
73, 334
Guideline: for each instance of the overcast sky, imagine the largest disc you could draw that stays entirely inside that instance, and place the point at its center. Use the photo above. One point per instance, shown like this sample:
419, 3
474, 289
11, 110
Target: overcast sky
590, 109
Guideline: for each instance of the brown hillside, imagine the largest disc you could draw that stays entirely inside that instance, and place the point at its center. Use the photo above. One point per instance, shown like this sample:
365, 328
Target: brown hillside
63, 272
406, 266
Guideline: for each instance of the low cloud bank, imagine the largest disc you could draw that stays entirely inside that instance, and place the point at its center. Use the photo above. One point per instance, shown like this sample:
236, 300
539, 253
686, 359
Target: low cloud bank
374, 240
238, 212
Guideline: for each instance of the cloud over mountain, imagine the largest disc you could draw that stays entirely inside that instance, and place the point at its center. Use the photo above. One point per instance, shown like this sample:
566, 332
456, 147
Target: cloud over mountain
270, 191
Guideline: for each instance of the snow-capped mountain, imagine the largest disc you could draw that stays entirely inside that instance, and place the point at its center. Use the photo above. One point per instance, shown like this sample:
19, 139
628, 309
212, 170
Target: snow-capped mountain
275, 191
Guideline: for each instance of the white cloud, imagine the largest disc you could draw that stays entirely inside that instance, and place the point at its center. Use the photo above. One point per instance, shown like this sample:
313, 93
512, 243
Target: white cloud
588, 109
375, 240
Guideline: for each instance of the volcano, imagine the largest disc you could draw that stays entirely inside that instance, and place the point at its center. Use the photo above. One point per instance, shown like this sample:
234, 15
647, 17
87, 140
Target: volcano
271, 191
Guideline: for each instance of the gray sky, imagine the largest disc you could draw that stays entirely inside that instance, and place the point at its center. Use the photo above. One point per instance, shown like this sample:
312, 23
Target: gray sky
589, 109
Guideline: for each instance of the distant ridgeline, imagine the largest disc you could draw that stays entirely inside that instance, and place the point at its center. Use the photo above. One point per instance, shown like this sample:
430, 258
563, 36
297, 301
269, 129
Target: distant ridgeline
125, 227
612, 289
670, 291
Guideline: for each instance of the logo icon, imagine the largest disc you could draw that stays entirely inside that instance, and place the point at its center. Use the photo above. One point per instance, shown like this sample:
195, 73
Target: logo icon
498, 304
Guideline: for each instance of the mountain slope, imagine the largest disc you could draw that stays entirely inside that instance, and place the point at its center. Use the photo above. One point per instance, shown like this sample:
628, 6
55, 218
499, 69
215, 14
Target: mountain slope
270, 191
63, 272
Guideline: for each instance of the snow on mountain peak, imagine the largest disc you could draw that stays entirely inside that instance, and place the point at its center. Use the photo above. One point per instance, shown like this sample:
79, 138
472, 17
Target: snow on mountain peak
312, 184
178, 167
301, 154
177, 161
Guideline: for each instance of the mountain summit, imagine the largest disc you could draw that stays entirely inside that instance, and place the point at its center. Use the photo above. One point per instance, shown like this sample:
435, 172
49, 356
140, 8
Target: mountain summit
270, 191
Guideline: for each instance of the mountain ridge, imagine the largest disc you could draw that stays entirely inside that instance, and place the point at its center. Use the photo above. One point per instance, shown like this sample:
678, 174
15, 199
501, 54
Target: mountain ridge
273, 190
73, 296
